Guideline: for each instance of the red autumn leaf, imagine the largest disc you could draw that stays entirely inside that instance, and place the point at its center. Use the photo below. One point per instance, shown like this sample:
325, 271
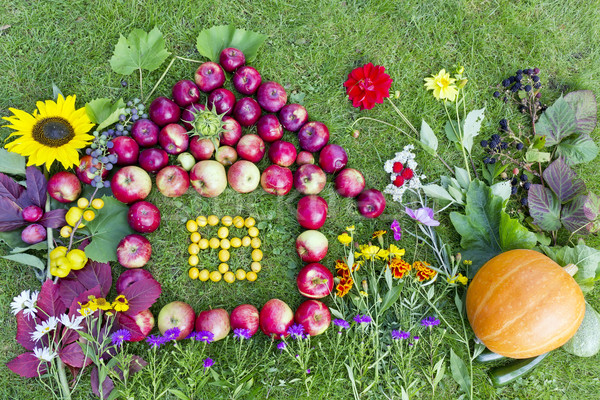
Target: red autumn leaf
36, 186
71, 335
69, 288
25, 327
107, 385
27, 365
49, 301
127, 322
73, 356
94, 274
141, 295
54, 219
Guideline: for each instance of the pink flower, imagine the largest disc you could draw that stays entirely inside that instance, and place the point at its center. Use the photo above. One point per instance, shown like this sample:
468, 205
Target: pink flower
423, 215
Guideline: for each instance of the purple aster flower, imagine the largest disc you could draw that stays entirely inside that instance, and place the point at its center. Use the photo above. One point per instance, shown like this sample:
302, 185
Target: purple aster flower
397, 230
120, 336
308, 371
430, 321
192, 335
242, 333
172, 334
423, 215
208, 362
396, 335
362, 319
296, 331
205, 336
281, 345
415, 337
341, 323
155, 341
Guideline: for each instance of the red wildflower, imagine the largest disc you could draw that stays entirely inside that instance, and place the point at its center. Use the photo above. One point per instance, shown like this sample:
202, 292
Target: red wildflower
407, 173
397, 167
368, 85
398, 181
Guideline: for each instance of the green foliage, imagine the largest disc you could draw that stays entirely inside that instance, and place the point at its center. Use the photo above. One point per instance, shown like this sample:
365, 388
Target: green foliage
460, 373
428, 140
103, 112
107, 229
586, 258
11, 163
140, 50
210, 42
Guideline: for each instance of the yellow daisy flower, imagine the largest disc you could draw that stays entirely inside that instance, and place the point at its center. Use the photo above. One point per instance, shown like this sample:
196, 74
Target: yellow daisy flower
120, 304
395, 251
54, 132
377, 234
345, 239
442, 85
350, 228
367, 251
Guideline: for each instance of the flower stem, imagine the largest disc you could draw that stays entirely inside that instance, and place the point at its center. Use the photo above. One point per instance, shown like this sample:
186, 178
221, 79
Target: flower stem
66, 392
49, 239
460, 138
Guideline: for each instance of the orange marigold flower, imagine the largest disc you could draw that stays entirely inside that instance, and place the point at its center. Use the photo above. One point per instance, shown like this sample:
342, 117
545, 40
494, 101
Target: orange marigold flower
344, 286
423, 272
399, 267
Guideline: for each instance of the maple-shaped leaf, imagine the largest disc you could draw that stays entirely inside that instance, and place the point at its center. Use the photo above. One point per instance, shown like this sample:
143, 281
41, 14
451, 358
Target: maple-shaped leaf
27, 365
49, 301
140, 50
141, 295
210, 42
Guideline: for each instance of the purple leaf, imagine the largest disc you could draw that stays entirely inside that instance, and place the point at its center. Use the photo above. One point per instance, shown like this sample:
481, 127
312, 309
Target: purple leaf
137, 363
94, 274
25, 327
54, 219
127, 322
10, 215
11, 189
27, 365
544, 208
563, 181
557, 122
49, 301
591, 207
141, 295
73, 356
574, 217
69, 288
36, 186
583, 103
107, 385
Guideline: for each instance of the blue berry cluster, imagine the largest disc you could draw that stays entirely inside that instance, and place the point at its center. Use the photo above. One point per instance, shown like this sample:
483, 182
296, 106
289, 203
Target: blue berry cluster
520, 183
496, 145
524, 79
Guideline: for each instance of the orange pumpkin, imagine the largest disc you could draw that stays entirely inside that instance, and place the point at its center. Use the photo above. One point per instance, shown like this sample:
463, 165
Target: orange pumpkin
521, 304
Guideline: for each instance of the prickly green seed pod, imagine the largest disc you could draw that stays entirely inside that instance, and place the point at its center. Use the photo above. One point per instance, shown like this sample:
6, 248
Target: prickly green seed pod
208, 123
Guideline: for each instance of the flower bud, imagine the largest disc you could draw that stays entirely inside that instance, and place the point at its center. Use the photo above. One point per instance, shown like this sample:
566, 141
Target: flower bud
458, 257
365, 285
356, 133
515, 171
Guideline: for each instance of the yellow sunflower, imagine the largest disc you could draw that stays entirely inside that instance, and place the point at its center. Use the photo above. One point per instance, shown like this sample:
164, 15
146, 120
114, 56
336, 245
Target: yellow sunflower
54, 132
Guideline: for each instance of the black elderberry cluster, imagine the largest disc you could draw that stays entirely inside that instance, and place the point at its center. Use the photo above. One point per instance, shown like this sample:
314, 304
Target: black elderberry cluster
496, 145
520, 183
524, 79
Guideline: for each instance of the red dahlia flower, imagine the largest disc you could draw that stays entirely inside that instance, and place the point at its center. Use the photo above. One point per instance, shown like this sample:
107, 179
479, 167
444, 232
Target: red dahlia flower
368, 85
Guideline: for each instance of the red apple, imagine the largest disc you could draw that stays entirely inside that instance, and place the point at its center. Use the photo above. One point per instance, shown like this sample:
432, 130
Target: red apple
271, 96
64, 186
251, 147
282, 153
243, 176
231, 59
143, 217
314, 316
313, 136
177, 314
246, 111
312, 212
134, 251
172, 181
311, 246
145, 132
305, 157
32, 213
185, 92
245, 317
275, 318
208, 178
333, 158
315, 281
293, 117
129, 277
33, 234
349, 182
173, 138
201, 148
209, 76
233, 132
126, 149
153, 160
163, 111
131, 184
222, 100
276, 180
215, 321
145, 322
269, 128
309, 179
246, 80
84, 169
226, 155
371, 203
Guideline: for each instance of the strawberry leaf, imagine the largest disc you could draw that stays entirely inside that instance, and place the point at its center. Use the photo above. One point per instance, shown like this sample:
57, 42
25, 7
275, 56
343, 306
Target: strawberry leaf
140, 50
211, 42
107, 229
141, 295
27, 365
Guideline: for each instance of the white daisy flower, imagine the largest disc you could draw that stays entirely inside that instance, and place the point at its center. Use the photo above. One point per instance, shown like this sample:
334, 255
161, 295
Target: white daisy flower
20, 302
44, 328
71, 323
44, 354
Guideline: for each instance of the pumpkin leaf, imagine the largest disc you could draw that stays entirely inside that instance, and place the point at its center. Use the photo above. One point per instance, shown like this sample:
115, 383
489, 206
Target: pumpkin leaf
544, 207
211, 42
563, 181
586, 258
11, 163
460, 373
140, 50
557, 122
583, 103
513, 235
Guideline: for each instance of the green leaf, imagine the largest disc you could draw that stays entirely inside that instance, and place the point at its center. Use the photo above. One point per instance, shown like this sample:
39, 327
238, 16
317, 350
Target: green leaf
584, 105
12, 238
557, 122
107, 229
140, 50
428, 138
460, 373
437, 192
577, 149
211, 42
390, 298
544, 207
11, 163
451, 130
179, 394
103, 112
502, 189
587, 260
462, 177
534, 155
26, 259
513, 235
471, 128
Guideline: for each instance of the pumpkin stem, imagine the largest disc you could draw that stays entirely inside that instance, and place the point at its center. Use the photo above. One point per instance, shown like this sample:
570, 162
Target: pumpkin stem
571, 269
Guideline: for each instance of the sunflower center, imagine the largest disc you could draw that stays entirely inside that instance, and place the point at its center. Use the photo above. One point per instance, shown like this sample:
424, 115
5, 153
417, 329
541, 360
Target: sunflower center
53, 131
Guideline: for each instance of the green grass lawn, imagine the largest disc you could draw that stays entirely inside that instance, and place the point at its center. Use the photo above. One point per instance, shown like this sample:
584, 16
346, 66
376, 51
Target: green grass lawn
312, 46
